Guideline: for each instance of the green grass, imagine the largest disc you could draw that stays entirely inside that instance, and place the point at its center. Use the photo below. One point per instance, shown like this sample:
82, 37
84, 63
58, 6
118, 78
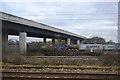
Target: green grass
59, 67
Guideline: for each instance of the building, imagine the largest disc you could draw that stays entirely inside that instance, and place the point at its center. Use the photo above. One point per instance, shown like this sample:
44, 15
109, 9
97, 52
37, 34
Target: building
99, 47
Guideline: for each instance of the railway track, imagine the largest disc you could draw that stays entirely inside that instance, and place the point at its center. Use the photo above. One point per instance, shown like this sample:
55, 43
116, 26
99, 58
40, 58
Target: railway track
7, 75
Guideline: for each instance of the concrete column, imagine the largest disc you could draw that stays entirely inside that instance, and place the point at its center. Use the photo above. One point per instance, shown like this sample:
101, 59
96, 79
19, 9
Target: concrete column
44, 40
0, 49
22, 42
4, 41
53, 41
78, 42
65, 41
83, 41
68, 41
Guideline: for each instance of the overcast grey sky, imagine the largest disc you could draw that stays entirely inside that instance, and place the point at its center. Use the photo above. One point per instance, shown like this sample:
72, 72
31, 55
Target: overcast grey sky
84, 18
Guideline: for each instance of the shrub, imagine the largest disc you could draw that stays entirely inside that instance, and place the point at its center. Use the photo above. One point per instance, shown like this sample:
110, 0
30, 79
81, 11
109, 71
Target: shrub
15, 58
111, 59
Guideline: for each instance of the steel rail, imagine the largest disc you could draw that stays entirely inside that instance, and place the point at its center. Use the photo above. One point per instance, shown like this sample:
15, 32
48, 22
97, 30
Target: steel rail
59, 76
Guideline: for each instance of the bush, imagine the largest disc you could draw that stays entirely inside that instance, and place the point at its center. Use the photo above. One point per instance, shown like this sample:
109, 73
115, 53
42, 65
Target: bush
82, 53
111, 59
33, 54
19, 59
16, 59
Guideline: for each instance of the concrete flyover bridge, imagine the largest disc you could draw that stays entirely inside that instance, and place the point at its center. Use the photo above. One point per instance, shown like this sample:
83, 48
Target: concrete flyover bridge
14, 25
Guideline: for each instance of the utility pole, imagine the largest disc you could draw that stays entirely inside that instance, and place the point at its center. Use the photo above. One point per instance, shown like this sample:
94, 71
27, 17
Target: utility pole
119, 22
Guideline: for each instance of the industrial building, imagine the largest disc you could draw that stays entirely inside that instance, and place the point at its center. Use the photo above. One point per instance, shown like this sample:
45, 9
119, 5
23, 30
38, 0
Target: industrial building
102, 47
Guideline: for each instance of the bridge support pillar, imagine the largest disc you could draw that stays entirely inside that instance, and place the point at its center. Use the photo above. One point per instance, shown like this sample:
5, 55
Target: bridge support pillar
65, 41
22, 42
68, 41
78, 42
4, 41
83, 41
44, 40
53, 41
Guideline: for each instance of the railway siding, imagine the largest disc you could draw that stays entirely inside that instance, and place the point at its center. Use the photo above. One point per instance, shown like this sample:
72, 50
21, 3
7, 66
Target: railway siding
107, 76
84, 73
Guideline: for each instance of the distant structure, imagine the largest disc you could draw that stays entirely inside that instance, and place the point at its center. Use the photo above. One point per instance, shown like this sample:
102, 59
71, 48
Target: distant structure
119, 22
99, 47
